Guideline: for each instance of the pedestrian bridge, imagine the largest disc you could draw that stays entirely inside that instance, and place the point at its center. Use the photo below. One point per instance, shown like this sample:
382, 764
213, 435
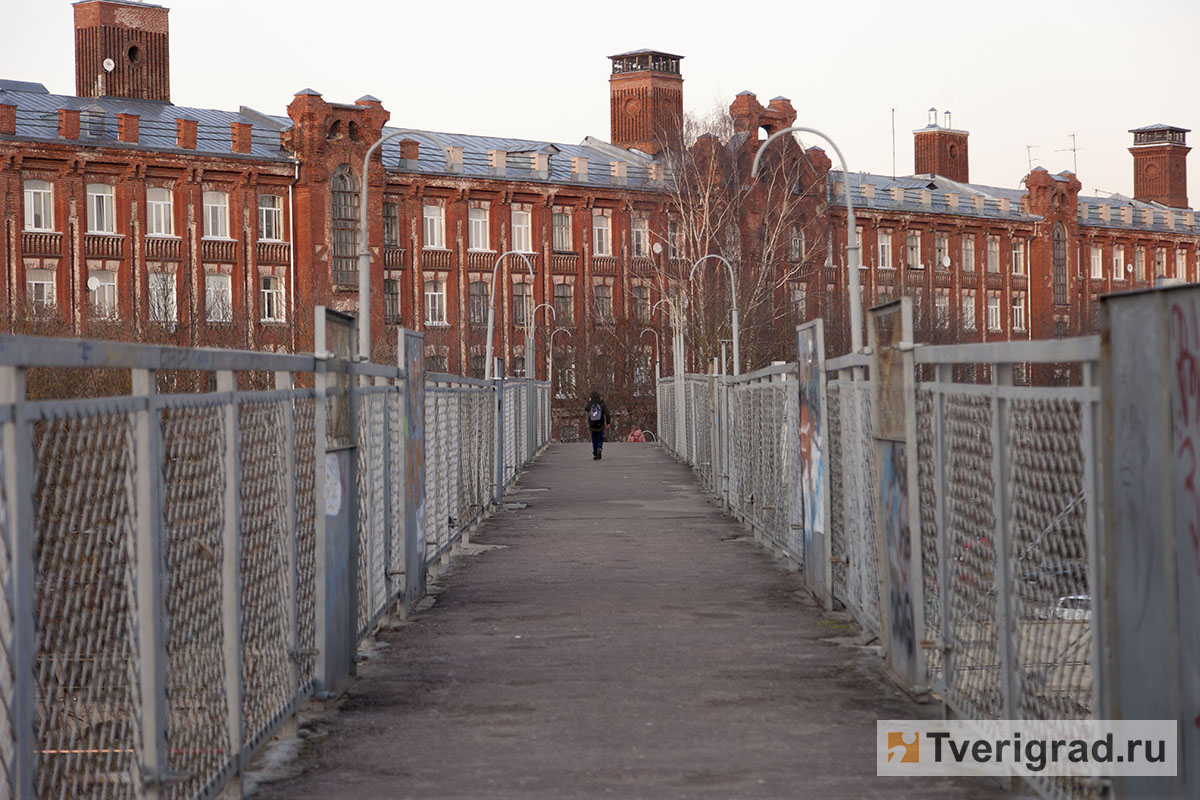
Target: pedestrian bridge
202, 542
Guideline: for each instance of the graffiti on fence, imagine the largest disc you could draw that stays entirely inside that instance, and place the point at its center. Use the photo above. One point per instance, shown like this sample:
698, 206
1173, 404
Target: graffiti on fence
897, 543
414, 465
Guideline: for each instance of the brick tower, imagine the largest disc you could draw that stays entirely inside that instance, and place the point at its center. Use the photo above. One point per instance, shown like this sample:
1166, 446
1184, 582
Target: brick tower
941, 150
121, 50
1160, 165
646, 91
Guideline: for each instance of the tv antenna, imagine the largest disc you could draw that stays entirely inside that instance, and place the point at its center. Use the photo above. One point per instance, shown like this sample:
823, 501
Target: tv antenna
1029, 156
1073, 149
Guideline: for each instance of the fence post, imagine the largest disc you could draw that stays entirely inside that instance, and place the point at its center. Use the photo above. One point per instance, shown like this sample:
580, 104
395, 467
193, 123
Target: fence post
321, 675
231, 584
18, 477
1006, 646
498, 388
284, 382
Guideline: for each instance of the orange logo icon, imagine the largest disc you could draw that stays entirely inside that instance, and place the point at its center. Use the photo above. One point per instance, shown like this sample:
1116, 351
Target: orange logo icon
904, 747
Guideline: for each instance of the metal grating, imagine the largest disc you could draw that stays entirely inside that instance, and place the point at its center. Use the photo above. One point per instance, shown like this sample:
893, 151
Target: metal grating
304, 416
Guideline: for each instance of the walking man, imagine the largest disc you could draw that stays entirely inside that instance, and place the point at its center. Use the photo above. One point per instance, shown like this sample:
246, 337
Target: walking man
597, 417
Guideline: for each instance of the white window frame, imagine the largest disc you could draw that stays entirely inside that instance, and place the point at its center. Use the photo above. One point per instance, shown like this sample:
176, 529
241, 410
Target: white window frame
639, 237
564, 304
993, 253
884, 248
216, 215
1160, 262
968, 311
478, 233
603, 310
40, 287
101, 208
1181, 264
601, 235
433, 227
563, 241
270, 218
272, 299
522, 231
912, 250
798, 243
1139, 263
1018, 313
968, 253
941, 311
478, 304
674, 238
39, 205
102, 301
522, 302
941, 249
160, 211
641, 304
993, 312
1118, 262
164, 306
435, 301
863, 261
1097, 260
218, 297
1018, 256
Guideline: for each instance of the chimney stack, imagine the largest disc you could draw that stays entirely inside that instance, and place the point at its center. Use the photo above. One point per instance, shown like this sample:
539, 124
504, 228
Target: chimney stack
941, 150
122, 50
1160, 165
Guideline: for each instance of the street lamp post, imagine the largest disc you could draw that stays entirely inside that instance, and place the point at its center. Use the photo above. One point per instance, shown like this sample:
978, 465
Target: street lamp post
550, 369
737, 353
851, 232
530, 370
657, 354
364, 254
487, 374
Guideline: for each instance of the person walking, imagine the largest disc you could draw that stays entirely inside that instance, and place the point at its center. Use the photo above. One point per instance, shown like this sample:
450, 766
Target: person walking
596, 413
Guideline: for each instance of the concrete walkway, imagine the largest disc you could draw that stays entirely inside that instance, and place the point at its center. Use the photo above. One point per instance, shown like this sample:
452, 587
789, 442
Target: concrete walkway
618, 638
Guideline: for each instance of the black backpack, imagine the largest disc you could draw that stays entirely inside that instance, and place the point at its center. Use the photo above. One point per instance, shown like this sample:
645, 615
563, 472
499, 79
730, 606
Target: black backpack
595, 413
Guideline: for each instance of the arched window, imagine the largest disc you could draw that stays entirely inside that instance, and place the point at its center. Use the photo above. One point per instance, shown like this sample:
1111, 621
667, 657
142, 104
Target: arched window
345, 227
1060, 264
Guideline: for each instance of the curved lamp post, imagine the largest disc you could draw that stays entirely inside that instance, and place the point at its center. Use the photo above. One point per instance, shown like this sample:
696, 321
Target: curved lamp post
364, 253
851, 233
530, 369
737, 353
487, 367
657, 353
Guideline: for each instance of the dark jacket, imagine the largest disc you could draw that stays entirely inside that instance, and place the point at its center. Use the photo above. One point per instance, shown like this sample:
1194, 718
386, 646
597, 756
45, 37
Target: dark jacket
587, 407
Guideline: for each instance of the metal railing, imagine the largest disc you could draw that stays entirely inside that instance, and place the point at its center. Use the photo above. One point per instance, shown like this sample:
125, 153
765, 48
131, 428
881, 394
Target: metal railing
965, 578
184, 565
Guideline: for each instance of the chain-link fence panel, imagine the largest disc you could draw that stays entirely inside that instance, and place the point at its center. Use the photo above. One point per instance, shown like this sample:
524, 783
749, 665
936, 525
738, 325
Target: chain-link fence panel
194, 513
838, 550
7, 669
87, 699
855, 471
395, 488
666, 413
372, 505
930, 561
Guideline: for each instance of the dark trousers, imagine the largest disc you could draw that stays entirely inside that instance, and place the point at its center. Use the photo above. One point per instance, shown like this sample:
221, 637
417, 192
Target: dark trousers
597, 441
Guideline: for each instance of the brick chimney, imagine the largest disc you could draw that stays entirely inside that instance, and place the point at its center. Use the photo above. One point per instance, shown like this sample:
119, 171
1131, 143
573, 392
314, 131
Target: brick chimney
1160, 165
8, 119
128, 127
240, 135
941, 150
121, 50
185, 134
68, 123
646, 100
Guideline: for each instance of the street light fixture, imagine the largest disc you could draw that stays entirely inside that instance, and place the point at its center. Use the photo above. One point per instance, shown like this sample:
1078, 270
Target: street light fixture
530, 370
851, 231
737, 353
487, 367
657, 352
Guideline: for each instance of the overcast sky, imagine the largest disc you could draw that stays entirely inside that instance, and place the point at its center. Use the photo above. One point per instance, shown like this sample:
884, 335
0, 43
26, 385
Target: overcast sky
1018, 73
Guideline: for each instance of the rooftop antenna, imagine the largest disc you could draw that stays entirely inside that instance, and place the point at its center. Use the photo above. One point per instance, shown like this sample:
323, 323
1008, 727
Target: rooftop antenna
1029, 156
893, 144
1074, 150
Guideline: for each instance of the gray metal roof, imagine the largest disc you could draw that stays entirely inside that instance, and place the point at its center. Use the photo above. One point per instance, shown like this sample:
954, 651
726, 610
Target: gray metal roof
432, 158
1162, 219
1159, 127
646, 52
939, 188
37, 119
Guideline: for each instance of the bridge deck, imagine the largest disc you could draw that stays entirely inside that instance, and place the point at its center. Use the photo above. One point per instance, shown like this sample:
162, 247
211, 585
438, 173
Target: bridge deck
622, 639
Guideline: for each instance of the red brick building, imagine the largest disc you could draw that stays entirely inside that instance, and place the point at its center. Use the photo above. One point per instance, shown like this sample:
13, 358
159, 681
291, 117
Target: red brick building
125, 214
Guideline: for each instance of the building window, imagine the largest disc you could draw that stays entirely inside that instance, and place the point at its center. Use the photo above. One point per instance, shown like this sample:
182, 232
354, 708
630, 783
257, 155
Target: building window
1139, 263
518, 369
993, 253
674, 238
435, 364
391, 225
968, 253
39, 206
1181, 264
1018, 256
163, 306
1160, 262
102, 293
1118, 265
434, 227
968, 311
1097, 262
479, 293
522, 241
640, 237
562, 232
160, 215
912, 250
477, 366
270, 218
993, 313
800, 301
39, 287
1018, 313
858, 241
797, 243
218, 298
477, 229
522, 302
101, 208
216, 215
603, 297
1059, 249
941, 311
564, 304
941, 252
885, 250
641, 304
435, 302
272, 300
391, 301
601, 235
345, 228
